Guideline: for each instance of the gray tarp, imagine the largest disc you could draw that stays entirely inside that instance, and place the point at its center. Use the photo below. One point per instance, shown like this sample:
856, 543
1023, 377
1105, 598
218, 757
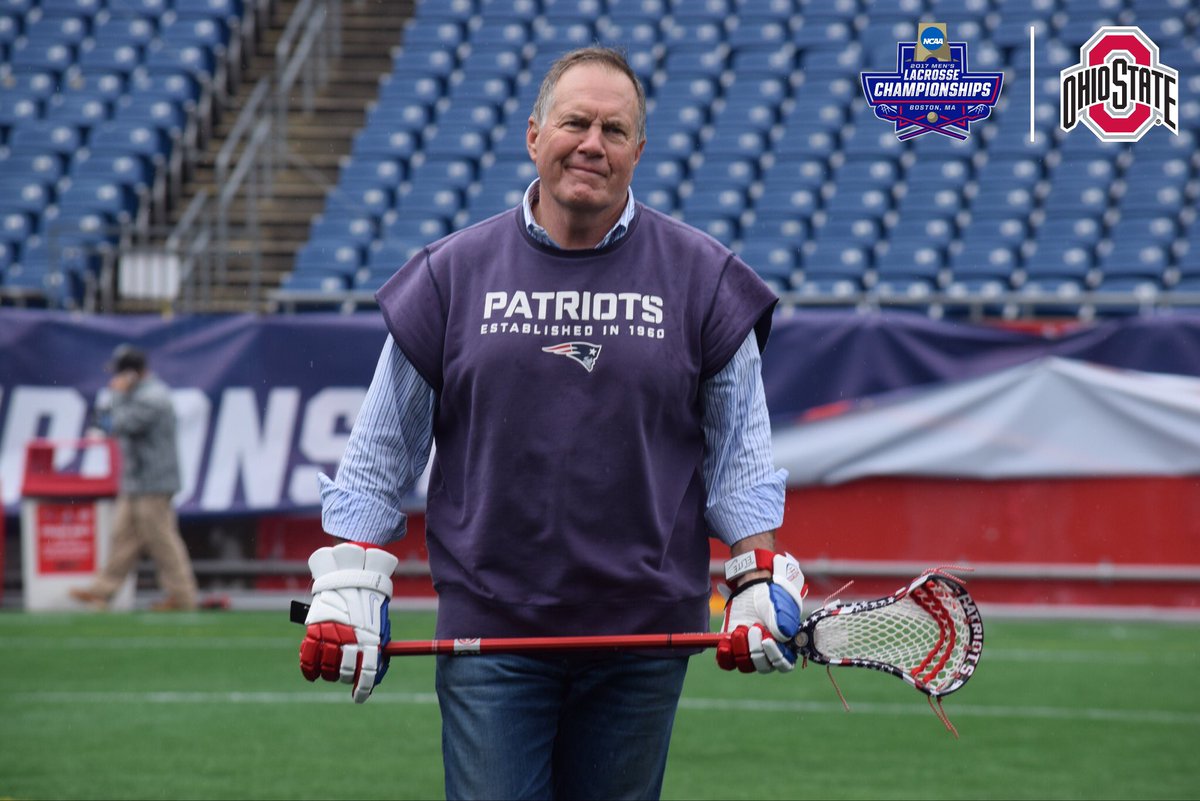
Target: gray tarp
1045, 418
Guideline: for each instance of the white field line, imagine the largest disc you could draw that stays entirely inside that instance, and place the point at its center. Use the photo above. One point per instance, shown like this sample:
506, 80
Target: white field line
723, 705
992, 654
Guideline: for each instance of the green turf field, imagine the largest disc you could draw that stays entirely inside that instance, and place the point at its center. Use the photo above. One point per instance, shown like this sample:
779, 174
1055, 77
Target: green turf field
212, 705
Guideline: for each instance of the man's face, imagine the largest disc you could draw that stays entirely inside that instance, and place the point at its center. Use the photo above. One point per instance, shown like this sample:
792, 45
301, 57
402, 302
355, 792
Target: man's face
588, 146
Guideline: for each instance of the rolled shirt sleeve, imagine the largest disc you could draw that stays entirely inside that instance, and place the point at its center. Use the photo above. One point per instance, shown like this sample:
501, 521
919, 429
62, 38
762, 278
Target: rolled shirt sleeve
745, 491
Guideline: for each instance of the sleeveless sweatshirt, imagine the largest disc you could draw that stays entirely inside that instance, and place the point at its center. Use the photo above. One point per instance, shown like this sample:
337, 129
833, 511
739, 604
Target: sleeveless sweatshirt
566, 494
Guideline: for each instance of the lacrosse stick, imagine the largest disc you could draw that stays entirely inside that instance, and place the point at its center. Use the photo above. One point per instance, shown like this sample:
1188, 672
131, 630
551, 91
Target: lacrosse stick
928, 633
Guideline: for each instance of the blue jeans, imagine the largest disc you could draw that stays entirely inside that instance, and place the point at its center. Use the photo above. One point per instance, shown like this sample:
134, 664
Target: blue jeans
523, 727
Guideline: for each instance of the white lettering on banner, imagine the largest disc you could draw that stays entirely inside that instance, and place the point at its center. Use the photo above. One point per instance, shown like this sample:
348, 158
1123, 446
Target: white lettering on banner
48, 412
247, 449
193, 410
328, 418
241, 448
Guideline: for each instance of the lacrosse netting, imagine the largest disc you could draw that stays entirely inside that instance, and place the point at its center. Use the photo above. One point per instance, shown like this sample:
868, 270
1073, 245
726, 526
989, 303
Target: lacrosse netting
929, 634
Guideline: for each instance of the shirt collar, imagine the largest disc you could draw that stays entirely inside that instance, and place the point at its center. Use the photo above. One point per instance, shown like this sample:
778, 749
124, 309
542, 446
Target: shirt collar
541, 235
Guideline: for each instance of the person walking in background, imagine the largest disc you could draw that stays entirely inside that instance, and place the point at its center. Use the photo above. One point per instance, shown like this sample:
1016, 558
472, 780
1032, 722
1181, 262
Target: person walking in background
142, 419
590, 370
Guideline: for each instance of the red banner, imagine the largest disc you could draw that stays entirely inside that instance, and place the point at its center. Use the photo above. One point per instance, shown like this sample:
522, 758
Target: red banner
66, 538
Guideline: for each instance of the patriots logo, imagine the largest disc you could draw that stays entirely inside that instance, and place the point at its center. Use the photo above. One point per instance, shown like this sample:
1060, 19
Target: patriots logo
583, 352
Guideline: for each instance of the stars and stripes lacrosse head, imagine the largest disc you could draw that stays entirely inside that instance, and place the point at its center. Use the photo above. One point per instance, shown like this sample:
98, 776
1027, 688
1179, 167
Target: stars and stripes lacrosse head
928, 633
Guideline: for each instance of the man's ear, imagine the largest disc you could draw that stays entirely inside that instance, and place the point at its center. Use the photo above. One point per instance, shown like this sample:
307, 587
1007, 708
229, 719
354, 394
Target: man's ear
531, 134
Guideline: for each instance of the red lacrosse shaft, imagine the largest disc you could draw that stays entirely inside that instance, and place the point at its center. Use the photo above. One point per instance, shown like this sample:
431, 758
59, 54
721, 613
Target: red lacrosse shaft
515, 645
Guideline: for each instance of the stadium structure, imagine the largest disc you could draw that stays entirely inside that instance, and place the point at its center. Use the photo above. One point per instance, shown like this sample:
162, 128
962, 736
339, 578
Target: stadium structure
988, 343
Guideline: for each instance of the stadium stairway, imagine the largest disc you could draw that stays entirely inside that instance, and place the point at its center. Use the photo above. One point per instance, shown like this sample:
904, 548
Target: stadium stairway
316, 142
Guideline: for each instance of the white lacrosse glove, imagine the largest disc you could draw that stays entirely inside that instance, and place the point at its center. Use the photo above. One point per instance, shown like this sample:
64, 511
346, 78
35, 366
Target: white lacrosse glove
348, 622
762, 616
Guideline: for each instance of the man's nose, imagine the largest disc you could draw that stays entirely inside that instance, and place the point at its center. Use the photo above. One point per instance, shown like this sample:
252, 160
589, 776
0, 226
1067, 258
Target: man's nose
592, 141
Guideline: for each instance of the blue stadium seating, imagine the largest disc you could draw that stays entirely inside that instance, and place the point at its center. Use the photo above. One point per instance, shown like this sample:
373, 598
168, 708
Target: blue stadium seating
95, 98
759, 135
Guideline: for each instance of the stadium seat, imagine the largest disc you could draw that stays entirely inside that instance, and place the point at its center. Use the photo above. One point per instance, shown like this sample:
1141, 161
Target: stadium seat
332, 284
775, 261
10, 31
16, 109
151, 9
195, 60
695, 47
687, 118
492, 200
78, 110
43, 168
1060, 261
389, 255
209, 32
50, 57
636, 33
16, 224
750, 32
470, 116
410, 117
564, 36
37, 85
396, 145
834, 262
45, 136
455, 173
344, 224
1130, 257
116, 201
432, 34
800, 203
398, 227
572, 9
365, 172
116, 137
424, 59
719, 172
124, 169
514, 173
180, 87
325, 257
496, 43
164, 115
8, 254
136, 31
372, 200
720, 227
457, 144
521, 10
914, 255
107, 87
434, 201
46, 272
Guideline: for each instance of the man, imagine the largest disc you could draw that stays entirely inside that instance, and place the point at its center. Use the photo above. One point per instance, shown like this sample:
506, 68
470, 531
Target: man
143, 421
589, 369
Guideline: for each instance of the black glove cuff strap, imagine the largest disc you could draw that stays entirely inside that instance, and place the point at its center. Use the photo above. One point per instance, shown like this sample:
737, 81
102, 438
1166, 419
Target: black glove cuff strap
748, 585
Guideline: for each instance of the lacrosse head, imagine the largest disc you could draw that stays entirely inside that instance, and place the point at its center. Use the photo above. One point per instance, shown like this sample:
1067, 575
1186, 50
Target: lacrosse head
928, 633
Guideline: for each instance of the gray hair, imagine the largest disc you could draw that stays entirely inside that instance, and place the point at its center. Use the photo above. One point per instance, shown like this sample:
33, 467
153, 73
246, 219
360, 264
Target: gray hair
604, 56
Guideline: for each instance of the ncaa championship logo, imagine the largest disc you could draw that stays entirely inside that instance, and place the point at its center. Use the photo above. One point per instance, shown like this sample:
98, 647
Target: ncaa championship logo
1119, 89
932, 91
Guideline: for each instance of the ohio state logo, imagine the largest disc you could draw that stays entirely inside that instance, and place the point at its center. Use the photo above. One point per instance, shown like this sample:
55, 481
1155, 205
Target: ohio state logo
1119, 90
